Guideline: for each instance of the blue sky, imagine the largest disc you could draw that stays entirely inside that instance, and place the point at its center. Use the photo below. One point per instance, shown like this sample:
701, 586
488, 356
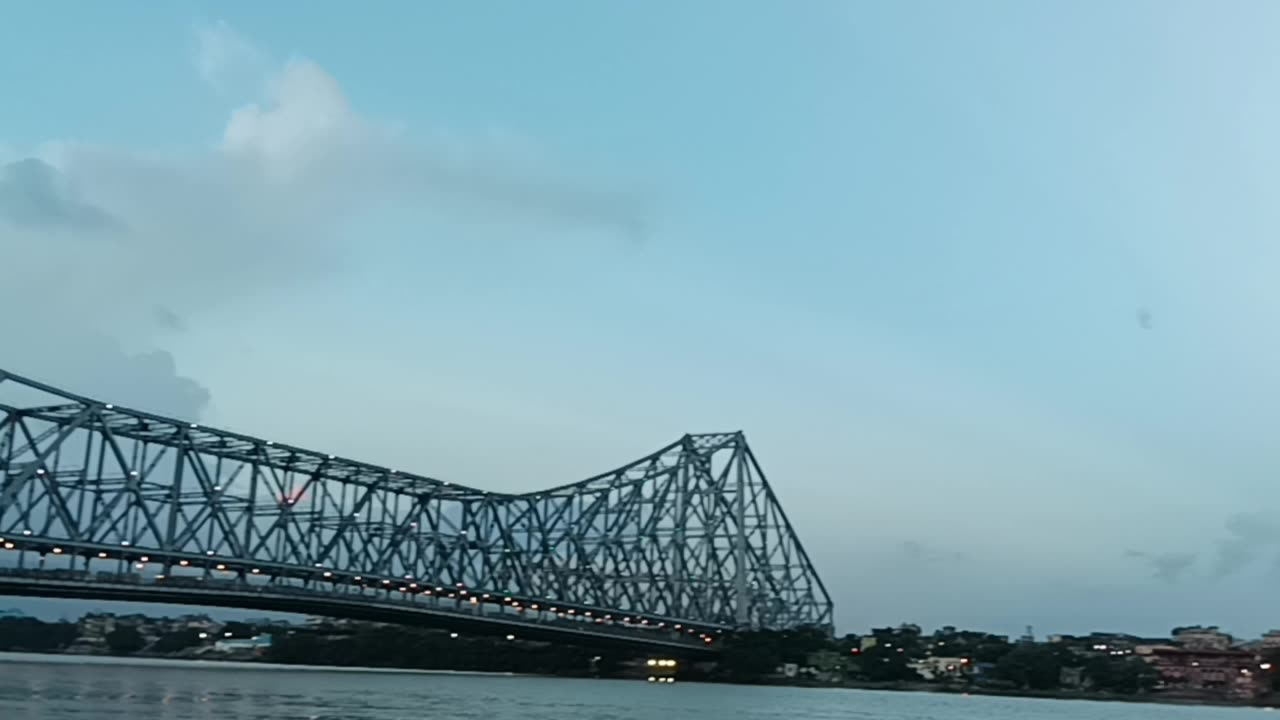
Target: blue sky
904, 246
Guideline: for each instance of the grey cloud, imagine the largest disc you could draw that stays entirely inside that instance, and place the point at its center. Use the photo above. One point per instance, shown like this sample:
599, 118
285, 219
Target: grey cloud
916, 551
1233, 554
912, 549
1260, 527
1168, 566
533, 197
1248, 536
169, 320
34, 194
152, 378
65, 337
147, 381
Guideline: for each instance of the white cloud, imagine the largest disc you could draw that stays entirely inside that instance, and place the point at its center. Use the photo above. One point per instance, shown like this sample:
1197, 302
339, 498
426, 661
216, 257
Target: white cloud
225, 58
255, 212
306, 135
306, 121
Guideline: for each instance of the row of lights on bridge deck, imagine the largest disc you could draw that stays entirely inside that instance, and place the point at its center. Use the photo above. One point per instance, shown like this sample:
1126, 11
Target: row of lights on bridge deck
454, 636
453, 594
515, 604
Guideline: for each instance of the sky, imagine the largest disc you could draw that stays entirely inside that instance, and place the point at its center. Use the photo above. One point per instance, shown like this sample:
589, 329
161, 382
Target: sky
988, 285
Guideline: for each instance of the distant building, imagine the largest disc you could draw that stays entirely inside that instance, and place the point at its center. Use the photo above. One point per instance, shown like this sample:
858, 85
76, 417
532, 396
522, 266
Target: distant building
1271, 640
1196, 637
1233, 674
905, 634
91, 633
1103, 643
258, 643
316, 622
941, 668
193, 622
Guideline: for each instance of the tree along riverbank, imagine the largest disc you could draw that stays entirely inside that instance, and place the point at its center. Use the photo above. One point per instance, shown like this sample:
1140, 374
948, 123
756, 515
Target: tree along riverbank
815, 659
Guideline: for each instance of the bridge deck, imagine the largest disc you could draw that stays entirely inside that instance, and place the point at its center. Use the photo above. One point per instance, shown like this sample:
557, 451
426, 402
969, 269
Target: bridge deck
480, 619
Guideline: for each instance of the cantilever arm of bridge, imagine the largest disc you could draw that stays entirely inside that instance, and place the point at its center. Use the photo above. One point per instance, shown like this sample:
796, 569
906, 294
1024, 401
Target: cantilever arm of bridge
692, 533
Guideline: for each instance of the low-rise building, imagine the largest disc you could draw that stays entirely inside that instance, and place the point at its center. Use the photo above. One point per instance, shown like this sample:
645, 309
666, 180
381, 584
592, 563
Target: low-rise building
91, 633
1103, 643
1232, 674
941, 668
256, 644
1196, 637
1271, 640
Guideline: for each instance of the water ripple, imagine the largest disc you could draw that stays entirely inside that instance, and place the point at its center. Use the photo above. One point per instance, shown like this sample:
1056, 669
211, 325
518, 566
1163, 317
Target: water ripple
58, 687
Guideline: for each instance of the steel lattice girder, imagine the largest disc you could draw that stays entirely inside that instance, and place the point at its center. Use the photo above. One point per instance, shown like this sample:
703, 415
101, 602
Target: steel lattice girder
692, 533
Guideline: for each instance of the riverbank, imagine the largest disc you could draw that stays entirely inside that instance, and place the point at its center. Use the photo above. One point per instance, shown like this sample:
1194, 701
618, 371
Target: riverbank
143, 661
1148, 698
747, 658
175, 690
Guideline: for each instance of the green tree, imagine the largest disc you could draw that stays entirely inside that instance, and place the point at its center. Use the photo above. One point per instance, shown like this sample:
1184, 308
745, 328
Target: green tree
24, 633
125, 640
239, 630
827, 661
1126, 675
1033, 666
879, 663
991, 649
751, 656
177, 641
977, 646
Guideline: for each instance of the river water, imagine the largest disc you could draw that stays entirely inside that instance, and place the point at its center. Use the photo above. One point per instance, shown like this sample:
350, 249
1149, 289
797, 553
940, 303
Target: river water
46, 687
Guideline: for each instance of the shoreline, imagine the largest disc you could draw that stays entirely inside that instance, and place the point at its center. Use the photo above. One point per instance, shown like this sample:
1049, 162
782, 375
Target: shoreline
62, 658
1066, 695
41, 658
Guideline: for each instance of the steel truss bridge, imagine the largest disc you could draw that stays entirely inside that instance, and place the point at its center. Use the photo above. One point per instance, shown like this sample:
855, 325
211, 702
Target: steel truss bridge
98, 501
